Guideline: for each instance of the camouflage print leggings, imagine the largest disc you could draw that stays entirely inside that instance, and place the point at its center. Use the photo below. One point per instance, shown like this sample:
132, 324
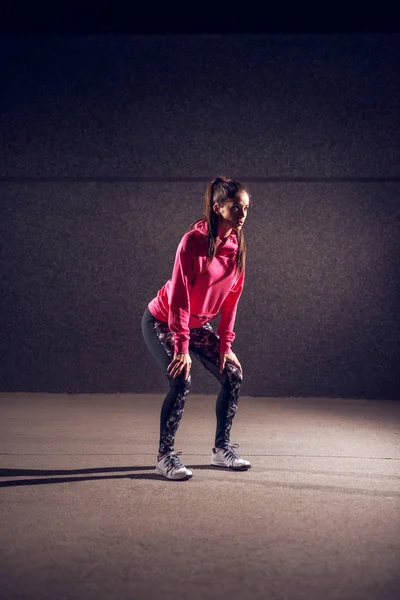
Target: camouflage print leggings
204, 345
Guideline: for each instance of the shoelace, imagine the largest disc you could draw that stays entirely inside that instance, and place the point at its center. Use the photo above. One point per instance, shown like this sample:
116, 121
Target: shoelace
173, 461
229, 451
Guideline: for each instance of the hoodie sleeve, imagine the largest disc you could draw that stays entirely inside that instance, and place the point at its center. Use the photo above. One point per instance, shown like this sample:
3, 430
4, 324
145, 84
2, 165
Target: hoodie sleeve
228, 315
179, 297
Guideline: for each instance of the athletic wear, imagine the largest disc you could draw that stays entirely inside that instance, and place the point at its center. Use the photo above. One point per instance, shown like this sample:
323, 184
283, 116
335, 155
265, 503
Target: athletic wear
227, 457
190, 298
177, 321
171, 467
204, 346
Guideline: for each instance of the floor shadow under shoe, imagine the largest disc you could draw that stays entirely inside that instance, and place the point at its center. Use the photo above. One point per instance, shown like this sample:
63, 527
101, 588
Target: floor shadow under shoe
214, 468
52, 476
162, 478
58, 475
29, 472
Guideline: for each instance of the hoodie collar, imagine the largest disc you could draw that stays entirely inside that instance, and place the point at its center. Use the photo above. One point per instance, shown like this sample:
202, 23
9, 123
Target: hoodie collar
202, 226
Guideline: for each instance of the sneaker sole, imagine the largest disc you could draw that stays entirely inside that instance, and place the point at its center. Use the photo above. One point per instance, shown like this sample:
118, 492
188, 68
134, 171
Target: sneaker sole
184, 478
231, 468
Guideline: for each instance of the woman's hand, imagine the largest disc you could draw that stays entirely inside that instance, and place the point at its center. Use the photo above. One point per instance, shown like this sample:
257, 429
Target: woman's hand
231, 358
180, 362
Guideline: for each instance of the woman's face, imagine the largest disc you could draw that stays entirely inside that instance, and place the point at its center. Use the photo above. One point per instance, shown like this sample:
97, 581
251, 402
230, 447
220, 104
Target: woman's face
233, 213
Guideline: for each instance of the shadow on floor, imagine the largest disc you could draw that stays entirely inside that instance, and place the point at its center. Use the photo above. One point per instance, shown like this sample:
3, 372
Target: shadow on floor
56, 475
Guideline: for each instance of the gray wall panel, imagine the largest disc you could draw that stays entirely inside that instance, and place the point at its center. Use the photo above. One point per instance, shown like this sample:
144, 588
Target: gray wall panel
318, 315
291, 105
81, 259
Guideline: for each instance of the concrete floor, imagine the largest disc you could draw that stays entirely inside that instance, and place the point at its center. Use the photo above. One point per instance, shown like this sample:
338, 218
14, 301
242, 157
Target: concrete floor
84, 517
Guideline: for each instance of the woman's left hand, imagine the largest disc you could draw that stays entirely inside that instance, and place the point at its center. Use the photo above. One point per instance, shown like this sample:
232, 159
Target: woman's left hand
231, 358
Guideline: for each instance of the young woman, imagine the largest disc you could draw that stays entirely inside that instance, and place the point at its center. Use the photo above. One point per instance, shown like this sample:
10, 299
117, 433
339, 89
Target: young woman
207, 279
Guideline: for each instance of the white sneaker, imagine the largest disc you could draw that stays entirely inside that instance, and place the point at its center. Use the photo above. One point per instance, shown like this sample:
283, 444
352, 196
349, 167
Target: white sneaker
227, 457
171, 467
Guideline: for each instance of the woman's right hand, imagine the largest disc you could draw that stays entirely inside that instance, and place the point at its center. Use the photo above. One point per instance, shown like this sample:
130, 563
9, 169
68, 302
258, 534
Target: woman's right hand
180, 363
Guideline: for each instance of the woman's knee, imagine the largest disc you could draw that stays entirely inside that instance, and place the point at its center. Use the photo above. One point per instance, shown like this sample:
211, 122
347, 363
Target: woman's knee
235, 376
180, 383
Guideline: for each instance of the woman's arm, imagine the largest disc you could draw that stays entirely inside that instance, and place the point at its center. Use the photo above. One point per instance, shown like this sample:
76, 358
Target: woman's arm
179, 300
228, 316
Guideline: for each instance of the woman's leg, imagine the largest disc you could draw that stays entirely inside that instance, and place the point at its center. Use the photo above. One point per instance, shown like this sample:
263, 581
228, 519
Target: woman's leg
205, 345
159, 341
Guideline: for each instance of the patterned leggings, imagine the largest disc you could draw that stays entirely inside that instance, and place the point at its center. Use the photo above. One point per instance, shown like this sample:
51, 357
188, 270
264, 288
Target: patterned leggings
204, 345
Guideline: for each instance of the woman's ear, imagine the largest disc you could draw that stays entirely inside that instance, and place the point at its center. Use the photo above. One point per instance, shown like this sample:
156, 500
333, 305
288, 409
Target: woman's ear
216, 208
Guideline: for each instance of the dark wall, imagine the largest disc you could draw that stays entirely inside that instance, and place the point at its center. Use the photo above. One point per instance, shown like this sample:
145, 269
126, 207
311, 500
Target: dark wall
107, 144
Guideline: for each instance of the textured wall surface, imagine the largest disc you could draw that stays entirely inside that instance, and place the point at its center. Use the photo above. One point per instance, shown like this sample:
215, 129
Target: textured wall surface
100, 136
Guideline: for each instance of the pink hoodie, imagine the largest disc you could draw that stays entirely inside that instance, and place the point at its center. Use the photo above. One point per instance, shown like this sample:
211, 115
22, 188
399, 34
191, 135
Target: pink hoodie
189, 299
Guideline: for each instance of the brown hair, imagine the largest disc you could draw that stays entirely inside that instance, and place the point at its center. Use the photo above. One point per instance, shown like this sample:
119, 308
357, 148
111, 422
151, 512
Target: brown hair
221, 190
